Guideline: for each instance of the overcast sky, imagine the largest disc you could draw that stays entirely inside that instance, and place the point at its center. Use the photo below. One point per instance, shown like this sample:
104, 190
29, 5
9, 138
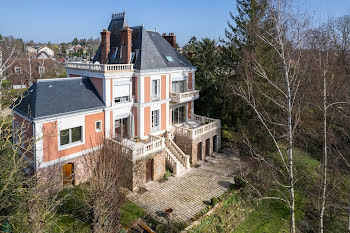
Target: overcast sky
62, 21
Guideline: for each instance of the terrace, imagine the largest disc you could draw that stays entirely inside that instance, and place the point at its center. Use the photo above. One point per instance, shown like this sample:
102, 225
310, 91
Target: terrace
197, 126
105, 68
139, 149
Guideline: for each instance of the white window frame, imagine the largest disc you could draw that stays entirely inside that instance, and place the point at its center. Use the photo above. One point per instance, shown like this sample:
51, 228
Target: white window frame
98, 129
155, 92
71, 144
154, 126
41, 70
121, 99
18, 70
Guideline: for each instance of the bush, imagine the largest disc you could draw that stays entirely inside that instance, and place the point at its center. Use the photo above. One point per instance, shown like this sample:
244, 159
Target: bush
239, 184
6, 84
214, 201
167, 173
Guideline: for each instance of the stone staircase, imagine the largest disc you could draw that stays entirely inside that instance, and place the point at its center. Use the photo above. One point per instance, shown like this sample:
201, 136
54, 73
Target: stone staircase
176, 159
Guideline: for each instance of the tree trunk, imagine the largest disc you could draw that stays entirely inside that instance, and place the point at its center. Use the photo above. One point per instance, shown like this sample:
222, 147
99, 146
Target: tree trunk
290, 153
323, 200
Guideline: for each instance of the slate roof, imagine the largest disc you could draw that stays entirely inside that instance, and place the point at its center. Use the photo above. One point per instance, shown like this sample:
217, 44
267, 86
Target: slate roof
57, 96
149, 48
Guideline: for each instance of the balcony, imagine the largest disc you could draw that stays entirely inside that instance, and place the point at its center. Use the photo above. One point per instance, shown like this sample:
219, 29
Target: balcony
184, 97
137, 150
198, 126
104, 68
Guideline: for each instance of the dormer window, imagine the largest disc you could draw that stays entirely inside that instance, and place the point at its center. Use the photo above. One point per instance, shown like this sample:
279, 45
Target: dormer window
169, 58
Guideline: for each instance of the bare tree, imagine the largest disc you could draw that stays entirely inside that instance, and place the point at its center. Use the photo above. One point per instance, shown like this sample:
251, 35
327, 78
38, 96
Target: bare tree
285, 37
106, 169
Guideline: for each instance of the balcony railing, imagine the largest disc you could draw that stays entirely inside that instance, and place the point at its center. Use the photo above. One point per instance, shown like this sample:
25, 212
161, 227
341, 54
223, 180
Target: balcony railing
106, 68
155, 97
185, 96
137, 150
207, 125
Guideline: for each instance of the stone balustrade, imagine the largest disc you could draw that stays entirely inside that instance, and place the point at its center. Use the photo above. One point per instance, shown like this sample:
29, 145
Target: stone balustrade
185, 96
106, 68
207, 125
140, 149
179, 154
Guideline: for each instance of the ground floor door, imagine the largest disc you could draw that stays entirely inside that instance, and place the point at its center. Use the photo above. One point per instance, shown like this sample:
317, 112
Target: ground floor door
207, 147
215, 143
149, 170
68, 174
121, 128
199, 151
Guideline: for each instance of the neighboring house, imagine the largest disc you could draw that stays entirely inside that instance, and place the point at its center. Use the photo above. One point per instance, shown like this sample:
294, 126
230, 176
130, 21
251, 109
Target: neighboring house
76, 49
40, 52
49, 52
25, 71
139, 93
44, 55
32, 50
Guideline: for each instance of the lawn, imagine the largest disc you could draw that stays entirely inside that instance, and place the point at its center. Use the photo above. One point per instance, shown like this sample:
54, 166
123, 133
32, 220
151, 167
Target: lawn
239, 215
130, 212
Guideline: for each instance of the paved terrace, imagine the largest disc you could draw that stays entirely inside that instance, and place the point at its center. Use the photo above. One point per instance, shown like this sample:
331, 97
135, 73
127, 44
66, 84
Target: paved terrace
187, 194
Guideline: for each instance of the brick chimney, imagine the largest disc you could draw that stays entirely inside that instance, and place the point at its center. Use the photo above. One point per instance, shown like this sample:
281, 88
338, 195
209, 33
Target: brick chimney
126, 44
105, 45
171, 38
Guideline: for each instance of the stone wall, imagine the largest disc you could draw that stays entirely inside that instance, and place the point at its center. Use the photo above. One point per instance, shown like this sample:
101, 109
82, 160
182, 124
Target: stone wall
190, 147
139, 170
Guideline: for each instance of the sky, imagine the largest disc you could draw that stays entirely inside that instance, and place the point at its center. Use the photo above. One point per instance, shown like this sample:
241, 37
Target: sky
62, 21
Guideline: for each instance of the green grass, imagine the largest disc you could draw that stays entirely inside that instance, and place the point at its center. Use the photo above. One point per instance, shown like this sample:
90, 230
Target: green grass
268, 216
239, 216
130, 212
67, 224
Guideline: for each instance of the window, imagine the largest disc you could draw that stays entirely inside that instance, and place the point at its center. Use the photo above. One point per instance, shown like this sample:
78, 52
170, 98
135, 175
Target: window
178, 115
68, 136
155, 120
98, 126
41, 70
169, 58
18, 70
155, 90
178, 86
121, 93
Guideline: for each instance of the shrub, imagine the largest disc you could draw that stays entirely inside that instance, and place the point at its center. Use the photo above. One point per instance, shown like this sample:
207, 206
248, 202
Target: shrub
214, 201
167, 173
239, 184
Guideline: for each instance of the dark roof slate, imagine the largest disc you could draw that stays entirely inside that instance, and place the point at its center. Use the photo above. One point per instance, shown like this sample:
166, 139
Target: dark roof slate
51, 97
149, 48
